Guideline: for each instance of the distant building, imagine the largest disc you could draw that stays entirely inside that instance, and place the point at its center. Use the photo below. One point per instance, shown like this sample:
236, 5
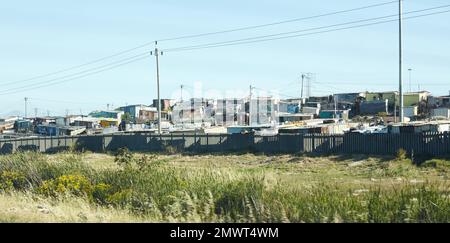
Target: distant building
193, 111
66, 121
441, 112
411, 111
9, 120
349, 101
292, 118
392, 97
165, 104
7, 124
328, 114
23, 126
374, 107
246, 129
284, 106
109, 122
326, 102
332, 128
420, 127
140, 113
44, 120
262, 111
415, 98
6, 127
312, 108
53, 130
439, 101
349, 98
107, 114
231, 112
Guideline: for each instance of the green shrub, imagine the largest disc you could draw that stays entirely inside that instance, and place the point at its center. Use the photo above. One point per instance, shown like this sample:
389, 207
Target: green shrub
147, 161
36, 167
10, 180
101, 193
440, 165
402, 154
124, 157
121, 198
234, 197
170, 149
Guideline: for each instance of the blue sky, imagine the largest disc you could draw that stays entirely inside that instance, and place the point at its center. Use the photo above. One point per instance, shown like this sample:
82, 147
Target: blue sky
39, 37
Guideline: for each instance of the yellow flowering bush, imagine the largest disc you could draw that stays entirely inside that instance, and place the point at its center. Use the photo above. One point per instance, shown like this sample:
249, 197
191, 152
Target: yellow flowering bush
74, 184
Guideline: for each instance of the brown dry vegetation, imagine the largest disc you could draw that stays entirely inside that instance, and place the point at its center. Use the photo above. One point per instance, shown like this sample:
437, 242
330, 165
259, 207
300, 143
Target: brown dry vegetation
88, 187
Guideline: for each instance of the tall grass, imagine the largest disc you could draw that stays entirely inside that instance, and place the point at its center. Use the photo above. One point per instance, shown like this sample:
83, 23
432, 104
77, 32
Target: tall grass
149, 189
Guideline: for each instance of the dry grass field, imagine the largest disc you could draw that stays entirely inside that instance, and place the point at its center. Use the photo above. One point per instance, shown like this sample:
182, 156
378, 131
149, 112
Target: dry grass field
133, 187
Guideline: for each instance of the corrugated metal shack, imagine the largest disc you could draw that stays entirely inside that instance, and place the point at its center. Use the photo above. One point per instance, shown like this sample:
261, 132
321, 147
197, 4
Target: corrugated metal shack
373, 107
441, 112
411, 111
53, 130
329, 114
287, 117
419, 127
332, 128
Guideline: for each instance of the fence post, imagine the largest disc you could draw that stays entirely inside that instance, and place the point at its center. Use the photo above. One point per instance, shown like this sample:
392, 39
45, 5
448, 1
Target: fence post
103, 143
207, 142
221, 143
195, 141
313, 149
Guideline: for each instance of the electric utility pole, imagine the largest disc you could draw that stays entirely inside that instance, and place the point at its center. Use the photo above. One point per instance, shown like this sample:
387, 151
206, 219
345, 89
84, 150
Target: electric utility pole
26, 104
250, 106
182, 86
395, 108
335, 106
410, 85
157, 53
303, 82
400, 18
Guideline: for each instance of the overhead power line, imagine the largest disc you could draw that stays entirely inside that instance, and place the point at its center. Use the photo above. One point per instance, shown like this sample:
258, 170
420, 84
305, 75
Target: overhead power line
381, 84
212, 45
248, 42
64, 101
277, 23
190, 37
276, 93
74, 67
266, 38
75, 78
120, 62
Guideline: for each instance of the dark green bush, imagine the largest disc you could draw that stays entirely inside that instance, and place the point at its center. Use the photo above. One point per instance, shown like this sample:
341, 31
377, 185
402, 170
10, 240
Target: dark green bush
124, 157
10, 180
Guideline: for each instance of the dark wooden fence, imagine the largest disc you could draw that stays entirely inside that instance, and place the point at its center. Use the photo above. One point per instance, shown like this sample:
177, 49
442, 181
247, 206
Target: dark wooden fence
435, 144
